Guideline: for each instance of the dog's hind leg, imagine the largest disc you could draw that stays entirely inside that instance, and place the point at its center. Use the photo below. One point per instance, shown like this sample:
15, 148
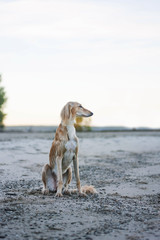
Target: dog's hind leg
67, 177
49, 180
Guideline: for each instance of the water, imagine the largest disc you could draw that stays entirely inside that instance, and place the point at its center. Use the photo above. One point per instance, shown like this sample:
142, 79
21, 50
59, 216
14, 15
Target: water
48, 129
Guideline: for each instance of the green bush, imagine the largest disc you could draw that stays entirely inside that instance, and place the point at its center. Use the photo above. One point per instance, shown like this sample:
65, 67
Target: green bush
82, 124
3, 100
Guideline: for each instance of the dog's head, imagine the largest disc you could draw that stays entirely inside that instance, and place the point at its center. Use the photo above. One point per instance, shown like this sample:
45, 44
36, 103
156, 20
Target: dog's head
72, 110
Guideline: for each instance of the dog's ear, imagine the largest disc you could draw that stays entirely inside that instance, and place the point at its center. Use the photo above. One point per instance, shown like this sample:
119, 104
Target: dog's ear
66, 113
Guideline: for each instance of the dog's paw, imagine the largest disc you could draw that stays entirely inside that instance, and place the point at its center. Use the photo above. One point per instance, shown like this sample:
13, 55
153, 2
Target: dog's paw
45, 191
59, 194
67, 192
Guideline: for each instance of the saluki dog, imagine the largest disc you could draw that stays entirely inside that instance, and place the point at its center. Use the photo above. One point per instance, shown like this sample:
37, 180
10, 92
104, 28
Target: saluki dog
64, 150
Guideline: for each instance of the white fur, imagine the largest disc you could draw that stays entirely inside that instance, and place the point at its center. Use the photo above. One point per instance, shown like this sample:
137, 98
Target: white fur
71, 131
67, 160
50, 183
70, 147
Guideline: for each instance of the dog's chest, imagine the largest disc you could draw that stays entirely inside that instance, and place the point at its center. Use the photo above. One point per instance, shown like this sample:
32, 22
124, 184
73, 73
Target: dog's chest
70, 146
70, 153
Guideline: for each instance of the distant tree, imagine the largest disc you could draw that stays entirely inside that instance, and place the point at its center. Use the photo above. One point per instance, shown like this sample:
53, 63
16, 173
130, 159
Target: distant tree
83, 124
3, 100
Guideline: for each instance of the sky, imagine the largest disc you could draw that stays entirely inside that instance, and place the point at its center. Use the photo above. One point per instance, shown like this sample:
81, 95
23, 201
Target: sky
104, 54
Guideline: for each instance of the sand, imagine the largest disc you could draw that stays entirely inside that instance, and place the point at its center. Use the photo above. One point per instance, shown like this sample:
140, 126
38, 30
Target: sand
124, 168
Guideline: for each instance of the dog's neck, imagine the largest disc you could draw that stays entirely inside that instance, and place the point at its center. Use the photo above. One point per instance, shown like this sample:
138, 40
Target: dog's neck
69, 122
71, 131
70, 128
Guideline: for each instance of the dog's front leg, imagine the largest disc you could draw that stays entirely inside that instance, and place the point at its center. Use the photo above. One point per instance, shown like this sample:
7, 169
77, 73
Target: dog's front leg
76, 171
59, 176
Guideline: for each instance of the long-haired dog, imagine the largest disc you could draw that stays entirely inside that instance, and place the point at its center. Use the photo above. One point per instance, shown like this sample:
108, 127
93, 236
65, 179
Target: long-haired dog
64, 150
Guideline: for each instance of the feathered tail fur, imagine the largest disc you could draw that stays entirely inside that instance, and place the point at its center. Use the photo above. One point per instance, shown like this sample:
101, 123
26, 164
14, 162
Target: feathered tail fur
86, 189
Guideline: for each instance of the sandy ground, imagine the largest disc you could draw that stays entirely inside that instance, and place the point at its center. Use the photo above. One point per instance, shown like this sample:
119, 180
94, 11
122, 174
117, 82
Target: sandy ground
124, 168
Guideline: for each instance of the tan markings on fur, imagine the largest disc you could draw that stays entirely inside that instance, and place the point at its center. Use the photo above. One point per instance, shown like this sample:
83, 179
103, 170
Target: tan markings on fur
86, 189
65, 113
59, 175
44, 174
84, 111
69, 176
58, 147
73, 111
76, 172
89, 189
49, 179
64, 149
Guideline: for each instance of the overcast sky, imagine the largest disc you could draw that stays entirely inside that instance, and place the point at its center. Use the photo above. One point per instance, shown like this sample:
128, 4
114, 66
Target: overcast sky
104, 54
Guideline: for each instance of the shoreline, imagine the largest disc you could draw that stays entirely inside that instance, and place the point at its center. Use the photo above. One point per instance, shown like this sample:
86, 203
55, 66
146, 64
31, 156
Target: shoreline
48, 129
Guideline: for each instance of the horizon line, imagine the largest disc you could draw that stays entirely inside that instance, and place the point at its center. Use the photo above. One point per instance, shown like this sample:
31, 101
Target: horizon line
92, 126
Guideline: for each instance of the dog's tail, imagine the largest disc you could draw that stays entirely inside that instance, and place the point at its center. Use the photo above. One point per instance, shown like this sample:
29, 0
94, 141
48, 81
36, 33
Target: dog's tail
86, 189
89, 189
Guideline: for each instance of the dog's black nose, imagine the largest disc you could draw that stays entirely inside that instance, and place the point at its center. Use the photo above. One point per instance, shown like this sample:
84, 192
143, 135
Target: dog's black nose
91, 114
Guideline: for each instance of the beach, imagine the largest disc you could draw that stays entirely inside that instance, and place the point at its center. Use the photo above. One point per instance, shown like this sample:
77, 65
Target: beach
124, 167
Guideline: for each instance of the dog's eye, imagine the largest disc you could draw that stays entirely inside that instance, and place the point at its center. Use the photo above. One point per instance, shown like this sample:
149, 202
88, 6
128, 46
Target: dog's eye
80, 106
